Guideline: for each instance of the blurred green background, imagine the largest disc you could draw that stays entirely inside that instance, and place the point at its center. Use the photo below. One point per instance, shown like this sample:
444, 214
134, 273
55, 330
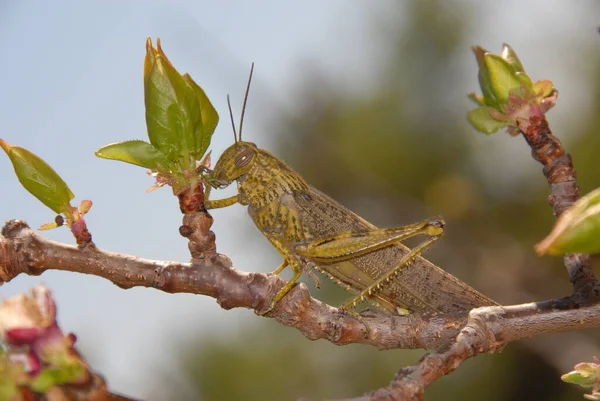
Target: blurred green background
367, 100
396, 153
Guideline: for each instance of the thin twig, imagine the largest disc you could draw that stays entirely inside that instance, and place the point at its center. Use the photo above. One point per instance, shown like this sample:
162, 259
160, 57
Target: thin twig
562, 178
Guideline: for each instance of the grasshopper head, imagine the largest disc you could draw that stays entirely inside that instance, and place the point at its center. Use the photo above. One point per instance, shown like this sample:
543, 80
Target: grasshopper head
235, 162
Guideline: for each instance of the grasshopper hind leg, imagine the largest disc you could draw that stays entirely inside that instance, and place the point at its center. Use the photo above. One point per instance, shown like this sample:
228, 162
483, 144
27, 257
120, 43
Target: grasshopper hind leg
371, 291
343, 247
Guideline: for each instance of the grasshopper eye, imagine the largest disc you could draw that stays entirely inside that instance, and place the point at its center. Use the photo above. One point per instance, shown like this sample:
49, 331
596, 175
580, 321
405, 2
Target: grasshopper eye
244, 158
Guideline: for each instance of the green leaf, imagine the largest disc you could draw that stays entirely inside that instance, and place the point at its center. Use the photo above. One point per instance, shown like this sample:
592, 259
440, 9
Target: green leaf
482, 121
503, 77
135, 152
48, 378
165, 120
39, 178
525, 80
477, 99
577, 229
71, 372
48, 226
510, 55
484, 77
584, 375
44, 381
579, 379
179, 116
543, 88
209, 118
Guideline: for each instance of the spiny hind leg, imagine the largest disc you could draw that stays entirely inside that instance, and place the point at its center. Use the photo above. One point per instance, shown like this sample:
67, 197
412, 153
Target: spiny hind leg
381, 281
349, 245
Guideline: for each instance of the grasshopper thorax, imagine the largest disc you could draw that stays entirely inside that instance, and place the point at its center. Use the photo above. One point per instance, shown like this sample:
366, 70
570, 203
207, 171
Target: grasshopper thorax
235, 162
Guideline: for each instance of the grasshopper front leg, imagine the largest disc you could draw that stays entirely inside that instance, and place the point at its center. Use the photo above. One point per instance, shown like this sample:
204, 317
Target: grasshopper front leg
219, 203
297, 269
287, 224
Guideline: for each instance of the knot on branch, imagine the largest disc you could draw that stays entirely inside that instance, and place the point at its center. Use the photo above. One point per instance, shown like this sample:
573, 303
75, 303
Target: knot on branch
196, 228
10, 263
12, 228
484, 329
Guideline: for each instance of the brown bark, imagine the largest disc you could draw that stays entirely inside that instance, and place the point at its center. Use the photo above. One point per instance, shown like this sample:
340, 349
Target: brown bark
562, 178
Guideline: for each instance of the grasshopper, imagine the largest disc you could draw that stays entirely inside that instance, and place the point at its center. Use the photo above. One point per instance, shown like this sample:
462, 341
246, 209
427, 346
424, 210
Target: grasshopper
311, 230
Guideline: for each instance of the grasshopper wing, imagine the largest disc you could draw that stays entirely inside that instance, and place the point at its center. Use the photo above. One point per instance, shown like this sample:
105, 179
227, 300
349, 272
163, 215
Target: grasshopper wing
418, 287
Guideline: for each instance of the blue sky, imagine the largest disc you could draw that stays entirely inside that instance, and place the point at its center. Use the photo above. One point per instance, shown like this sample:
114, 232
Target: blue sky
71, 81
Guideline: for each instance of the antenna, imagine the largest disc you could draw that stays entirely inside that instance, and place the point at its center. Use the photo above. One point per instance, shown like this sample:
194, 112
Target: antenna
245, 100
231, 118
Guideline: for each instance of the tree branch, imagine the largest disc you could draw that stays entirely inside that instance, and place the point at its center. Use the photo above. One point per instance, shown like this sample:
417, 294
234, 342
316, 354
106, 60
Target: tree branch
488, 330
24, 252
562, 178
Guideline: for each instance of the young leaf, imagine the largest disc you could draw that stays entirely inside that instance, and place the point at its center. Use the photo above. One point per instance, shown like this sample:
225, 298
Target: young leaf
164, 118
577, 229
510, 55
525, 80
48, 226
173, 109
484, 77
39, 178
482, 121
503, 77
84, 206
477, 99
544, 88
135, 152
584, 375
208, 115
68, 373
